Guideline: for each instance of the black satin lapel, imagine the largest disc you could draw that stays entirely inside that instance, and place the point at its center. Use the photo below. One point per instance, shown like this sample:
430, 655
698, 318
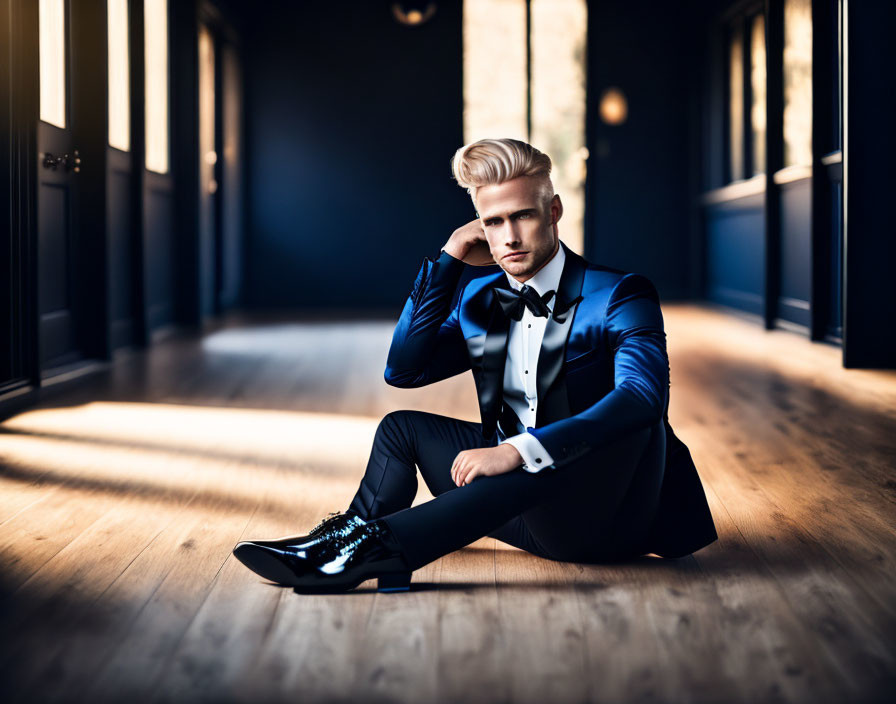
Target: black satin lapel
569, 289
551, 357
494, 357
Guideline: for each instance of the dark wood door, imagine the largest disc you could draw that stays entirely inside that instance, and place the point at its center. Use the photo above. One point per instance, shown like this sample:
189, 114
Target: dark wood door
58, 238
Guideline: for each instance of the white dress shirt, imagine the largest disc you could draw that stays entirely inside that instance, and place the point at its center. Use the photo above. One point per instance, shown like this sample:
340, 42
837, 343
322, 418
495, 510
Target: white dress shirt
523, 347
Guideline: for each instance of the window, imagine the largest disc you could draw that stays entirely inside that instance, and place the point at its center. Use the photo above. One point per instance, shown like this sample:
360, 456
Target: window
494, 80
208, 156
156, 57
559, 38
119, 76
797, 82
757, 93
52, 61
736, 105
524, 77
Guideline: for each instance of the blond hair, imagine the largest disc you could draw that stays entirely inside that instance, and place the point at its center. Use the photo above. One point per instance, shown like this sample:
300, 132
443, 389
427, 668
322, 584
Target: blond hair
490, 161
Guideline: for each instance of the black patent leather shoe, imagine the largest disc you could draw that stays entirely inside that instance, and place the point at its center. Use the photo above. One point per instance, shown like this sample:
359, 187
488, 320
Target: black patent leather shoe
332, 525
342, 551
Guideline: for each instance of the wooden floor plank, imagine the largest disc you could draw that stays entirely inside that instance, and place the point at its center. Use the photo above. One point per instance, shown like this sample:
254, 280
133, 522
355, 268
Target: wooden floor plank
625, 659
214, 653
193, 537
761, 625
37, 533
17, 493
540, 629
854, 535
72, 582
159, 625
472, 656
856, 639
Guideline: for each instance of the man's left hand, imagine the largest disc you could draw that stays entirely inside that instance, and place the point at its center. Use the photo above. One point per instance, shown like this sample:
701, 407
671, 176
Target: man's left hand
484, 462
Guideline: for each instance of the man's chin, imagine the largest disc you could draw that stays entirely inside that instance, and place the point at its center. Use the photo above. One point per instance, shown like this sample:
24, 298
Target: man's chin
517, 268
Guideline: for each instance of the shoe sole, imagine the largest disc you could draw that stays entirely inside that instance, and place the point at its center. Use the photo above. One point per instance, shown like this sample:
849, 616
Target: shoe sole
397, 582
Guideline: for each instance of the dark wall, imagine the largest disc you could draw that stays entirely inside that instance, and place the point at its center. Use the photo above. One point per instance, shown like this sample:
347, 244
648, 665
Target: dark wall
352, 120
870, 181
638, 216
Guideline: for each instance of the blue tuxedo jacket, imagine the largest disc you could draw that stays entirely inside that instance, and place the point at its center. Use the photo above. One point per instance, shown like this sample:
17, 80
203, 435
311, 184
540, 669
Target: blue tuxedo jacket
602, 371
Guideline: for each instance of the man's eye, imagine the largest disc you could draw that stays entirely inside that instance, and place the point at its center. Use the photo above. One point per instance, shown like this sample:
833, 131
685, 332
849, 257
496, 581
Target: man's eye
524, 215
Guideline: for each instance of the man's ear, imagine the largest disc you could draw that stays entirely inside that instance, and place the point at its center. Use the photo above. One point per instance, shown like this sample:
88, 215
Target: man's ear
558, 204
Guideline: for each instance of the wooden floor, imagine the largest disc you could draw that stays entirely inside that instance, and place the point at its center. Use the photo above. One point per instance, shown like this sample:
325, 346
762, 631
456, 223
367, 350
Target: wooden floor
120, 504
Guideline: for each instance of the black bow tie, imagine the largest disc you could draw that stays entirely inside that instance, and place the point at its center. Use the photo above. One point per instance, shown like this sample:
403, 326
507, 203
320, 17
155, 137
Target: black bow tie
513, 301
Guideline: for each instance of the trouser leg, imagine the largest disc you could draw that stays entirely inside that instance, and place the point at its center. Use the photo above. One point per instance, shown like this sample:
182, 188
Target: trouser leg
598, 507
603, 508
408, 440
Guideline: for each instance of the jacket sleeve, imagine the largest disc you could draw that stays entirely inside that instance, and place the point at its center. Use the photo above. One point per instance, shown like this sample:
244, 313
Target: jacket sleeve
428, 344
634, 331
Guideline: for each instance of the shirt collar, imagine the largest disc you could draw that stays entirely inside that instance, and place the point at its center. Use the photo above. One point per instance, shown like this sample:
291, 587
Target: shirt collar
547, 278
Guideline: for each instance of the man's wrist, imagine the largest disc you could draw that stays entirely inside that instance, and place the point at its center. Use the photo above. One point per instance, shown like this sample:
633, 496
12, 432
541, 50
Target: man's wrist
513, 453
452, 253
534, 455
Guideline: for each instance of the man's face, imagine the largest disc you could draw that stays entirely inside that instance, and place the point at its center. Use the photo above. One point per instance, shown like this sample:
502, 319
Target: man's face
514, 219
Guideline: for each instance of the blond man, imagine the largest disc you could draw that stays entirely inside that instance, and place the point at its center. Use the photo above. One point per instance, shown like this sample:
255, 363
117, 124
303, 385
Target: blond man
573, 459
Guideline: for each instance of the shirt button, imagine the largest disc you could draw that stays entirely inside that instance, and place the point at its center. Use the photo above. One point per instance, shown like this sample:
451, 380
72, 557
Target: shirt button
531, 409
538, 459
527, 371
530, 325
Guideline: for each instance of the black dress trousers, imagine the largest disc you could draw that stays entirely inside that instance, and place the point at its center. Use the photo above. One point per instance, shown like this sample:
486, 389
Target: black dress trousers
597, 508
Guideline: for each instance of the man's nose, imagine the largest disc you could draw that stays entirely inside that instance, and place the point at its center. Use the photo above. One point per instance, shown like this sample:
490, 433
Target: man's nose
511, 234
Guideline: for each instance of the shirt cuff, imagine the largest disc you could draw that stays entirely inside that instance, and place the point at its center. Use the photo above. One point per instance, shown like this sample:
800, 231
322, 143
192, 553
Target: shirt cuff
535, 457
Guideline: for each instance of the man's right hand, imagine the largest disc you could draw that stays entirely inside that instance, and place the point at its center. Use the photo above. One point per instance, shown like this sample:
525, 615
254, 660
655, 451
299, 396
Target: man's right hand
468, 244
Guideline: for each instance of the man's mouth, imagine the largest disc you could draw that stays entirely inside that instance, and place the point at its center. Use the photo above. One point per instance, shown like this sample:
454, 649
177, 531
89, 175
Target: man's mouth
515, 255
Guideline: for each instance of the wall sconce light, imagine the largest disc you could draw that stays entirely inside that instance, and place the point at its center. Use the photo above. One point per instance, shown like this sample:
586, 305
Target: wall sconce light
613, 106
413, 17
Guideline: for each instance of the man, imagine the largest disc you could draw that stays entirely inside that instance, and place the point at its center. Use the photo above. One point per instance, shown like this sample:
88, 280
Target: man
574, 458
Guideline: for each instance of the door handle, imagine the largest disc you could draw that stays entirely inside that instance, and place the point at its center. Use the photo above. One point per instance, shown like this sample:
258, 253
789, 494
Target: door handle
67, 162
